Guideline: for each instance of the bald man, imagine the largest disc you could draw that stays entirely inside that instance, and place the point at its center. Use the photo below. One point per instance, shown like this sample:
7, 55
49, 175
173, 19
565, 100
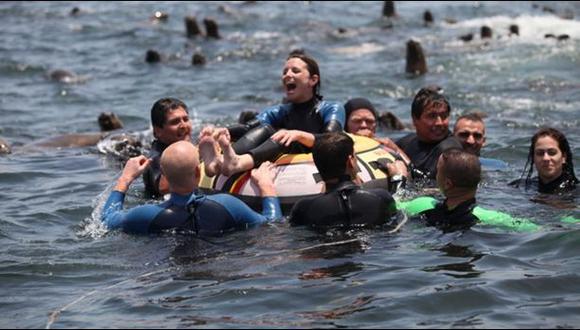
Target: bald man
185, 210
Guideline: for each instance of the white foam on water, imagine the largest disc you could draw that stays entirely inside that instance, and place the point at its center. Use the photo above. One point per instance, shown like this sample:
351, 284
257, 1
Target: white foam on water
531, 28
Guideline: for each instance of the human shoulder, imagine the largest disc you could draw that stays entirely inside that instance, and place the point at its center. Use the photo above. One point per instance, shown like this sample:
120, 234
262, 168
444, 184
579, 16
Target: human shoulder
406, 140
301, 210
418, 205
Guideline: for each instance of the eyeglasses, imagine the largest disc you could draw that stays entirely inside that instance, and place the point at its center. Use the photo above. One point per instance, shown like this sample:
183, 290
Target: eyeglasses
465, 135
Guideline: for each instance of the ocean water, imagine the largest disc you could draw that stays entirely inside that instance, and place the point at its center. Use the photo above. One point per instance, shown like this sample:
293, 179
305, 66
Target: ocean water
59, 268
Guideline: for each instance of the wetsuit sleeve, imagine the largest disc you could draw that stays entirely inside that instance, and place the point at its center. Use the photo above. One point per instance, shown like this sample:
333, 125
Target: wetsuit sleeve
417, 206
570, 219
387, 199
494, 218
273, 115
242, 214
238, 130
271, 208
333, 116
136, 220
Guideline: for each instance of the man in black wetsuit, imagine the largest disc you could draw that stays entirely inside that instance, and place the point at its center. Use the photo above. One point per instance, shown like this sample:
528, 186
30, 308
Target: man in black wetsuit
345, 203
430, 111
171, 123
458, 174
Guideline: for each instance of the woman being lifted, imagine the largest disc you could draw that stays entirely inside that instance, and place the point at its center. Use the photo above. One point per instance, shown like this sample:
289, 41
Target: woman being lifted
285, 128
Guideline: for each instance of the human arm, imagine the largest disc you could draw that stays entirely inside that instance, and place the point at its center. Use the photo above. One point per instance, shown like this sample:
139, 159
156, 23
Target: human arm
263, 177
286, 137
494, 218
133, 169
112, 215
417, 206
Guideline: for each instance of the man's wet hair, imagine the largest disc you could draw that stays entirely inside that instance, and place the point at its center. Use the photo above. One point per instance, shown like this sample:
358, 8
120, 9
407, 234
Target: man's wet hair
461, 167
426, 97
473, 116
563, 145
330, 153
312, 66
162, 107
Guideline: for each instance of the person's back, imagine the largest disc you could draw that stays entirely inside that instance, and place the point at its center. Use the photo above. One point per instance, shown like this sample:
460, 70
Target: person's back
186, 210
458, 174
345, 203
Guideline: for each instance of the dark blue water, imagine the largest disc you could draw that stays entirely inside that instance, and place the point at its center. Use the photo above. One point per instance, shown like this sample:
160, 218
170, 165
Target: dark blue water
59, 268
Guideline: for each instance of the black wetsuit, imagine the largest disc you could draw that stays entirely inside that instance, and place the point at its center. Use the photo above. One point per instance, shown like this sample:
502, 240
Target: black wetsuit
314, 116
152, 174
345, 204
424, 155
463, 216
564, 183
459, 218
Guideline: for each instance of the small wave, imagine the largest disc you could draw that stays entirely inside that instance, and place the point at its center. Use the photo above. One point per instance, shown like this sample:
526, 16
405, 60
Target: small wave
358, 50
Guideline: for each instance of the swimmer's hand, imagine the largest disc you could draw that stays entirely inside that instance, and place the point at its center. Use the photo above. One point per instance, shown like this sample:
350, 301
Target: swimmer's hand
133, 169
263, 177
286, 137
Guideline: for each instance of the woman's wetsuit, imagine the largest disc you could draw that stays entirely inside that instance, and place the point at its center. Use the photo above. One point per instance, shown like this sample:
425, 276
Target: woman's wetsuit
463, 216
205, 215
313, 117
564, 183
345, 204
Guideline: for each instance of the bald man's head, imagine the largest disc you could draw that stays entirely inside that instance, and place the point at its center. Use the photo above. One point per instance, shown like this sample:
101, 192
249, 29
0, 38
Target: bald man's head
179, 164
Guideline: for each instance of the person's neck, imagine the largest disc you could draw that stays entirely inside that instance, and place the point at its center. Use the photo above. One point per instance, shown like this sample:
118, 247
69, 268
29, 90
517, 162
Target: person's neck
187, 190
305, 101
456, 197
551, 179
331, 184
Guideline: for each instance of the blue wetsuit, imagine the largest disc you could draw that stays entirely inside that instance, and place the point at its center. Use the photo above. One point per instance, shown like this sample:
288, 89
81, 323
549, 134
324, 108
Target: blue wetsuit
314, 116
206, 215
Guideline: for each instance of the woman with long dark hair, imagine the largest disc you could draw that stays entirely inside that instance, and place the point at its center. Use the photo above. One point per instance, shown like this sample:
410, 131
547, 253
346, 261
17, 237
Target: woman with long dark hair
290, 127
551, 155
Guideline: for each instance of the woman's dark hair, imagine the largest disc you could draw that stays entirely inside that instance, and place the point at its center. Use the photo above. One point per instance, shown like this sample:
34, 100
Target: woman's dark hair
312, 66
567, 168
162, 107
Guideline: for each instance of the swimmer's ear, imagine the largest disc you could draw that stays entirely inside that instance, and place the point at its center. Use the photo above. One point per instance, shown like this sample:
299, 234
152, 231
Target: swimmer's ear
314, 79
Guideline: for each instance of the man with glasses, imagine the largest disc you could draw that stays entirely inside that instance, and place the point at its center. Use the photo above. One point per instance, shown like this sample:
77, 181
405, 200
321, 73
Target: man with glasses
430, 112
470, 131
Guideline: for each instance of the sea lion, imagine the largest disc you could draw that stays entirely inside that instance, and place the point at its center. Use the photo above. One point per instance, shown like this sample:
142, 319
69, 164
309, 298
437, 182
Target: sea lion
416, 63
4, 147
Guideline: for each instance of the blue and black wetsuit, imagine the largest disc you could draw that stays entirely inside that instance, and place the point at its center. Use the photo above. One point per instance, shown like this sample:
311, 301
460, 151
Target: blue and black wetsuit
314, 116
423, 155
344, 205
205, 215
152, 174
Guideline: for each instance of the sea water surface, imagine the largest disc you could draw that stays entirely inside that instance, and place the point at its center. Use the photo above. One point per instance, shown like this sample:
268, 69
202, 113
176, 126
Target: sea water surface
59, 268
